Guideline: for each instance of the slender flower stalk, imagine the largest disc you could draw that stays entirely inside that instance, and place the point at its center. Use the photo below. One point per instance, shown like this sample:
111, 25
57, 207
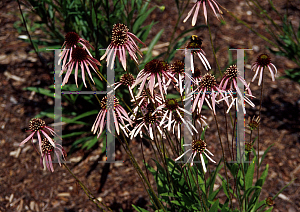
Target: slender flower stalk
197, 146
38, 126
47, 148
80, 57
213, 5
123, 40
263, 61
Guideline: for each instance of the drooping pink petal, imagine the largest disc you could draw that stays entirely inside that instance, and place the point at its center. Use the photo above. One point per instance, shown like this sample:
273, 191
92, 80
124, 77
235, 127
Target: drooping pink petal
49, 139
196, 14
26, 139
261, 75
189, 14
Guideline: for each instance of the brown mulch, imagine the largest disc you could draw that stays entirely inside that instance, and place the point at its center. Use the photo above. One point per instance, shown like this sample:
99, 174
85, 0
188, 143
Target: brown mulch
24, 186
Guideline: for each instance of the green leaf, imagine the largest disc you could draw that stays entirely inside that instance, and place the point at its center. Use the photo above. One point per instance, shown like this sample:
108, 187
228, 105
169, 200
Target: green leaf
203, 133
89, 113
72, 134
215, 206
139, 209
261, 203
144, 13
263, 177
150, 47
43, 91
270, 209
225, 189
90, 143
249, 175
265, 153
281, 190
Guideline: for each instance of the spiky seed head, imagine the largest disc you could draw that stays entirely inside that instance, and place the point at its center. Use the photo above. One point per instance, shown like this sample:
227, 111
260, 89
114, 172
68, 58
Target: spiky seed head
71, 38
36, 124
79, 54
208, 81
270, 201
248, 146
165, 65
253, 123
263, 60
196, 39
127, 79
149, 118
198, 146
231, 72
171, 104
46, 146
154, 67
119, 34
110, 104
178, 67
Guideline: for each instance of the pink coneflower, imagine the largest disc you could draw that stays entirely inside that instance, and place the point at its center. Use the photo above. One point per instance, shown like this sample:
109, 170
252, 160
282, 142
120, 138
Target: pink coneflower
80, 57
145, 100
36, 126
122, 40
47, 148
208, 89
196, 77
154, 69
212, 3
72, 39
150, 122
120, 115
127, 80
177, 123
201, 120
197, 146
168, 108
263, 61
231, 76
178, 70
195, 45
234, 100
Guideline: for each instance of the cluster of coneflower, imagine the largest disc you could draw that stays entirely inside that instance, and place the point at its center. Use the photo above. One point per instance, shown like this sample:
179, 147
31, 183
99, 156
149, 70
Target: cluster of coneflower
153, 113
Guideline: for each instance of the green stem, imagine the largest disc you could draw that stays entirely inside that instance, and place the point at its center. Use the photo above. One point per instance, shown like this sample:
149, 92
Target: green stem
212, 46
87, 192
260, 106
25, 25
224, 158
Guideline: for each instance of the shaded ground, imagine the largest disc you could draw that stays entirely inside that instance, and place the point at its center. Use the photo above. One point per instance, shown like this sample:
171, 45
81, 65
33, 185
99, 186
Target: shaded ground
24, 186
